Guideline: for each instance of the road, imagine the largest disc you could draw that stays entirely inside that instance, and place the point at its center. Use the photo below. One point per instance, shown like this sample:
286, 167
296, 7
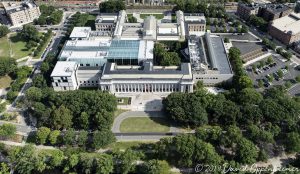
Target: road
36, 63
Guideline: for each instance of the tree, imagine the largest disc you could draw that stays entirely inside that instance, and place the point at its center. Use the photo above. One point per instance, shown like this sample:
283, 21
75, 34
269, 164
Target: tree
34, 94
244, 82
244, 29
31, 44
269, 60
7, 130
39, 81
246, 152
251, 114
170, 58
280, 73
7, 66
292, 142
42, 135
257, 135
102, 138
226, 40
53, 137
3, 30
103, 120
262, 156
29, 32
249, 95
96, 163
71, 162
61, 118
298, 79
4, 168
84, 120
25, 160
112, 6
69, 137
211, 134
132, 19
156, 167
231, 137
125, 161
82, 138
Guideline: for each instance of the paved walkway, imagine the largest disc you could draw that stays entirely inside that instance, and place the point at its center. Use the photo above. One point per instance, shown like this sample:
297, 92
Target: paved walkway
10, 143
132, 114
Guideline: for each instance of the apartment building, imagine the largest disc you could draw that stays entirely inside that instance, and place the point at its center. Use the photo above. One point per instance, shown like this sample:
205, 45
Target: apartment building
286, 29
21, 13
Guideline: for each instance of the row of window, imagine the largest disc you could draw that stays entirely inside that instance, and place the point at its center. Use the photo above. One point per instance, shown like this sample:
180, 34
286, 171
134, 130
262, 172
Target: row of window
84, 82
206, 78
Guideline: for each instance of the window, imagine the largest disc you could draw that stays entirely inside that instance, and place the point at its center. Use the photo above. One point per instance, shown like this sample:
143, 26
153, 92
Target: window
56, 84
88, 65
58, 81
65, 88
81, 64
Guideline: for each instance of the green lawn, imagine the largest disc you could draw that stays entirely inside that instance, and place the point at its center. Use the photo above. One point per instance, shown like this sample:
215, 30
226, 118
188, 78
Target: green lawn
5, 81
123, 100
157, 16
145, 124
16, 45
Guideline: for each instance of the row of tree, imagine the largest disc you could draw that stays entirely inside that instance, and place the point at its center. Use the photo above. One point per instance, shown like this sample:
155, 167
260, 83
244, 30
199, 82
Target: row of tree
112, 6
214, 10
27, 159
81, 109
70, 137
49, 15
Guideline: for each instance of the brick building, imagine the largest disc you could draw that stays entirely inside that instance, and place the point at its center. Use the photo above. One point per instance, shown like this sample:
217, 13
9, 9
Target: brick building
286, 29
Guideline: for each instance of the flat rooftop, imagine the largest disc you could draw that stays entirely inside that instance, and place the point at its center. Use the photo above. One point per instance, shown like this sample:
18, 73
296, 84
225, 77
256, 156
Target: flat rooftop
221, 60
80, 32
147, 68
289, 24
247, 47
108, 49
64, 68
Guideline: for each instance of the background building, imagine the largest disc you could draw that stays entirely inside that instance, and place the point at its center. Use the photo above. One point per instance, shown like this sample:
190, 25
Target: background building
286, 29
145, 2
21, 13
268, 12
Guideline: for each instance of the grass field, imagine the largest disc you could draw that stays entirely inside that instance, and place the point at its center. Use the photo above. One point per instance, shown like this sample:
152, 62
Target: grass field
5, 81
145, 124
157, 16
124, 100
17, 46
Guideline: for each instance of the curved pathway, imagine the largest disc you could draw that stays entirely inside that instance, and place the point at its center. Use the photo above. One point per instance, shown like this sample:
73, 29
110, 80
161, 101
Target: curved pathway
132, 114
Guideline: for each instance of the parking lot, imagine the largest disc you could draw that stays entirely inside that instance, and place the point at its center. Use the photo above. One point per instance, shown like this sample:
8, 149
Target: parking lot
267, 75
